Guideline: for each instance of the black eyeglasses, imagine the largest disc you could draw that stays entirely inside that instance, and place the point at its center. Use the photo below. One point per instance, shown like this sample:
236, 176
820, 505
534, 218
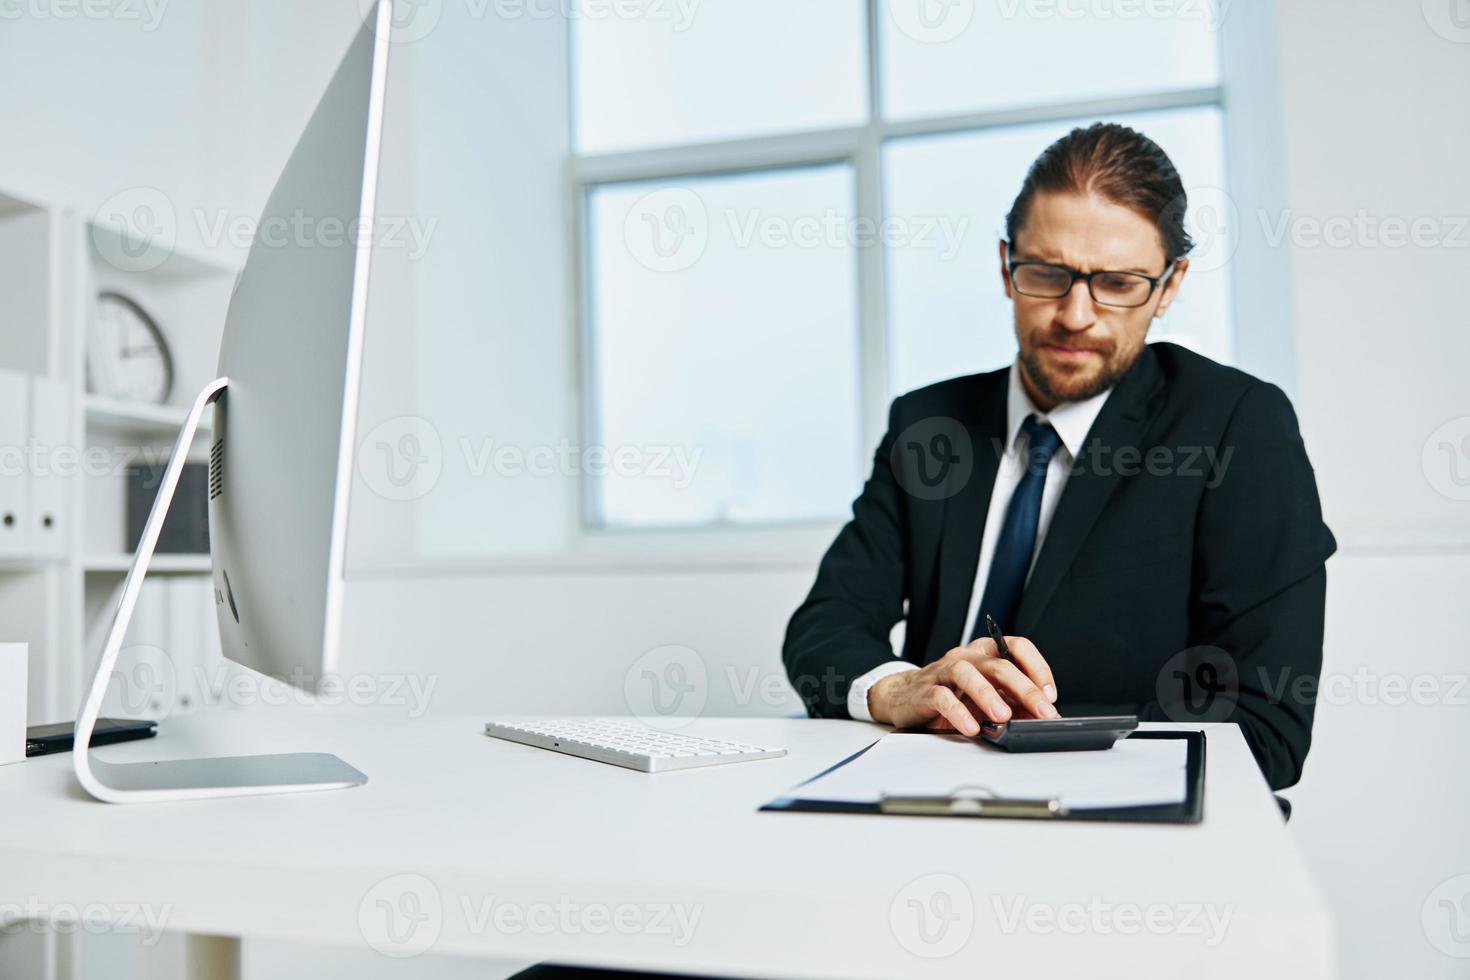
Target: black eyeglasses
1047, 281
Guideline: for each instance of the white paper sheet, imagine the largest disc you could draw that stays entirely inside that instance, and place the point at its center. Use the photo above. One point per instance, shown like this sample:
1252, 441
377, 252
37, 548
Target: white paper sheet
1134, 772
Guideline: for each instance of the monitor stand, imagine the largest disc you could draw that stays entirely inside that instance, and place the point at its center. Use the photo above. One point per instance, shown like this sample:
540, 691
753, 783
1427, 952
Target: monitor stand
185, 779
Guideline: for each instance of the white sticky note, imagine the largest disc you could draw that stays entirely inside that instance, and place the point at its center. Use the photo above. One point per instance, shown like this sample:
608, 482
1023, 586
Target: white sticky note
1134, 772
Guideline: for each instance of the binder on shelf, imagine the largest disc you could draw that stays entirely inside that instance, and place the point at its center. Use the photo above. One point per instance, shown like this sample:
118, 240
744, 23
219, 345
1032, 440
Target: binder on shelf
145, 681
992, 799
194, 642
186, 525
50, 513
15, 464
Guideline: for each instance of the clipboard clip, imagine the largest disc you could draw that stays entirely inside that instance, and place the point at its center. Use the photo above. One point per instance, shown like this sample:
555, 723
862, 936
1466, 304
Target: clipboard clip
970, 801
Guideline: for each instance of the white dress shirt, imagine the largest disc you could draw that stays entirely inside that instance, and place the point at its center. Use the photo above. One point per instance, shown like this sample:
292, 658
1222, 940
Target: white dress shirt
1072, 421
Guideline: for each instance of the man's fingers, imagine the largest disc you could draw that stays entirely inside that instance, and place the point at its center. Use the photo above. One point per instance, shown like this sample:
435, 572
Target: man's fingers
1030, 660
966, 677
1008, 678
979, 648
1023, 653
949, 707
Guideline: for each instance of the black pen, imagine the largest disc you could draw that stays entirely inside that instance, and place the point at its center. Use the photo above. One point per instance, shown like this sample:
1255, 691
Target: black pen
1000, 641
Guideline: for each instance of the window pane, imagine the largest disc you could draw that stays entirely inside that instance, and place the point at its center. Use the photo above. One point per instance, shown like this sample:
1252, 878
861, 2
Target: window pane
724, 327
679, 72
950, 56
947, 310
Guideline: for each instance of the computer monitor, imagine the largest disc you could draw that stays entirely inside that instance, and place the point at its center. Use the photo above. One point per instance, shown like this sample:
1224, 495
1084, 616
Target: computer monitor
284, 430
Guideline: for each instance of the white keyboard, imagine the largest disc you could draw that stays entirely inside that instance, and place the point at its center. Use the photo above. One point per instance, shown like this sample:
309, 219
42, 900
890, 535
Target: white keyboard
627, 743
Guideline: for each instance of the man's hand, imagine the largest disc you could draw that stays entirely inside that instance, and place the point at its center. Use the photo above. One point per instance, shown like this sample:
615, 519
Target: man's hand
965, 685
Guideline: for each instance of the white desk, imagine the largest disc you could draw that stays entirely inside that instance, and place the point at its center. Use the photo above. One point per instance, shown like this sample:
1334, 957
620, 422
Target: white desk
594, 864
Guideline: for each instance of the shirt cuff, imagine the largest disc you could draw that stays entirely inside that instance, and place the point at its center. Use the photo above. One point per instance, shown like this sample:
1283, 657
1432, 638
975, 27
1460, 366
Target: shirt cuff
857, 694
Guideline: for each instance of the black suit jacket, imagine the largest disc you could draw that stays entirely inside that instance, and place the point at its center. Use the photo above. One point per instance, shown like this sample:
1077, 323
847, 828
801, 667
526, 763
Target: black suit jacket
1181, 578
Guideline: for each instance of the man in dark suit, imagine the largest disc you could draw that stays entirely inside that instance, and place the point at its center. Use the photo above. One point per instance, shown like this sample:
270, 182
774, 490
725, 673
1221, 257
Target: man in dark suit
1142, 522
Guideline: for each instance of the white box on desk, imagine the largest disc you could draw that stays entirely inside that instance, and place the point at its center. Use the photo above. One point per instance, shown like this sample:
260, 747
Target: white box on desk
13, 702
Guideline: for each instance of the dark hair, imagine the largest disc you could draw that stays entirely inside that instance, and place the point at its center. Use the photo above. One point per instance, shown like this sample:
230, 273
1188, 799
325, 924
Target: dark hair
1118, 164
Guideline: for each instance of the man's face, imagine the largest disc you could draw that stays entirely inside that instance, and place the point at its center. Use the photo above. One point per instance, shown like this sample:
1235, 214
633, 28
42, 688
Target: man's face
1072, 347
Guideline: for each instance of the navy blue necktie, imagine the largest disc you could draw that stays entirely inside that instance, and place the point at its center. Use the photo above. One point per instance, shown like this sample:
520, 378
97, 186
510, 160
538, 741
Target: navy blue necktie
1017, 541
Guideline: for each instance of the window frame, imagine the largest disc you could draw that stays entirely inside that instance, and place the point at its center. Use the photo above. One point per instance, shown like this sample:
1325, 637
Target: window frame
1254, 151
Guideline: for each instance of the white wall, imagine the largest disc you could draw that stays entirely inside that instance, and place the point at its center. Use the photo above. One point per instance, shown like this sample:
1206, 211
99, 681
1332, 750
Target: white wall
199, 100
1376, 132
475, 338
492, 322
571, 641
470, 332
1375, 125
1381, 341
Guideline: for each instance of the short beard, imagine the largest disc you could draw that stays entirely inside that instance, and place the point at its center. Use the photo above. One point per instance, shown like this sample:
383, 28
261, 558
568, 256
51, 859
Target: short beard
1112, 372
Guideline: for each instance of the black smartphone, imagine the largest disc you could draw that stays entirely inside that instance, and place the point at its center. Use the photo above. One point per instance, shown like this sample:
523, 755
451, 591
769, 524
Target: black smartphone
47, 739
1087, 734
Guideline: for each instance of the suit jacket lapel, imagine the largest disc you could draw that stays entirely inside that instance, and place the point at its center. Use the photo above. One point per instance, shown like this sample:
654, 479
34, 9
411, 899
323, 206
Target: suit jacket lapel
1123, 421
964, 514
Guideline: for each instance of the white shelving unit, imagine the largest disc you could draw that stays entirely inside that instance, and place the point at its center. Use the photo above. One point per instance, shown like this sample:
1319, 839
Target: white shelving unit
38, 594
53, 261
110, 413
160, 565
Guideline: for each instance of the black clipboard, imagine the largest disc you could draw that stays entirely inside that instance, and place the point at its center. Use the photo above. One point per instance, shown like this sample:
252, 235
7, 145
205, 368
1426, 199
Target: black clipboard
1190, 810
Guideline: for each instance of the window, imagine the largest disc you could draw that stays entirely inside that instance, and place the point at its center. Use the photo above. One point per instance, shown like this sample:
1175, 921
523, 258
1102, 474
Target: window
948, 57
649, 74
775, 243
947, 313
724, 322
